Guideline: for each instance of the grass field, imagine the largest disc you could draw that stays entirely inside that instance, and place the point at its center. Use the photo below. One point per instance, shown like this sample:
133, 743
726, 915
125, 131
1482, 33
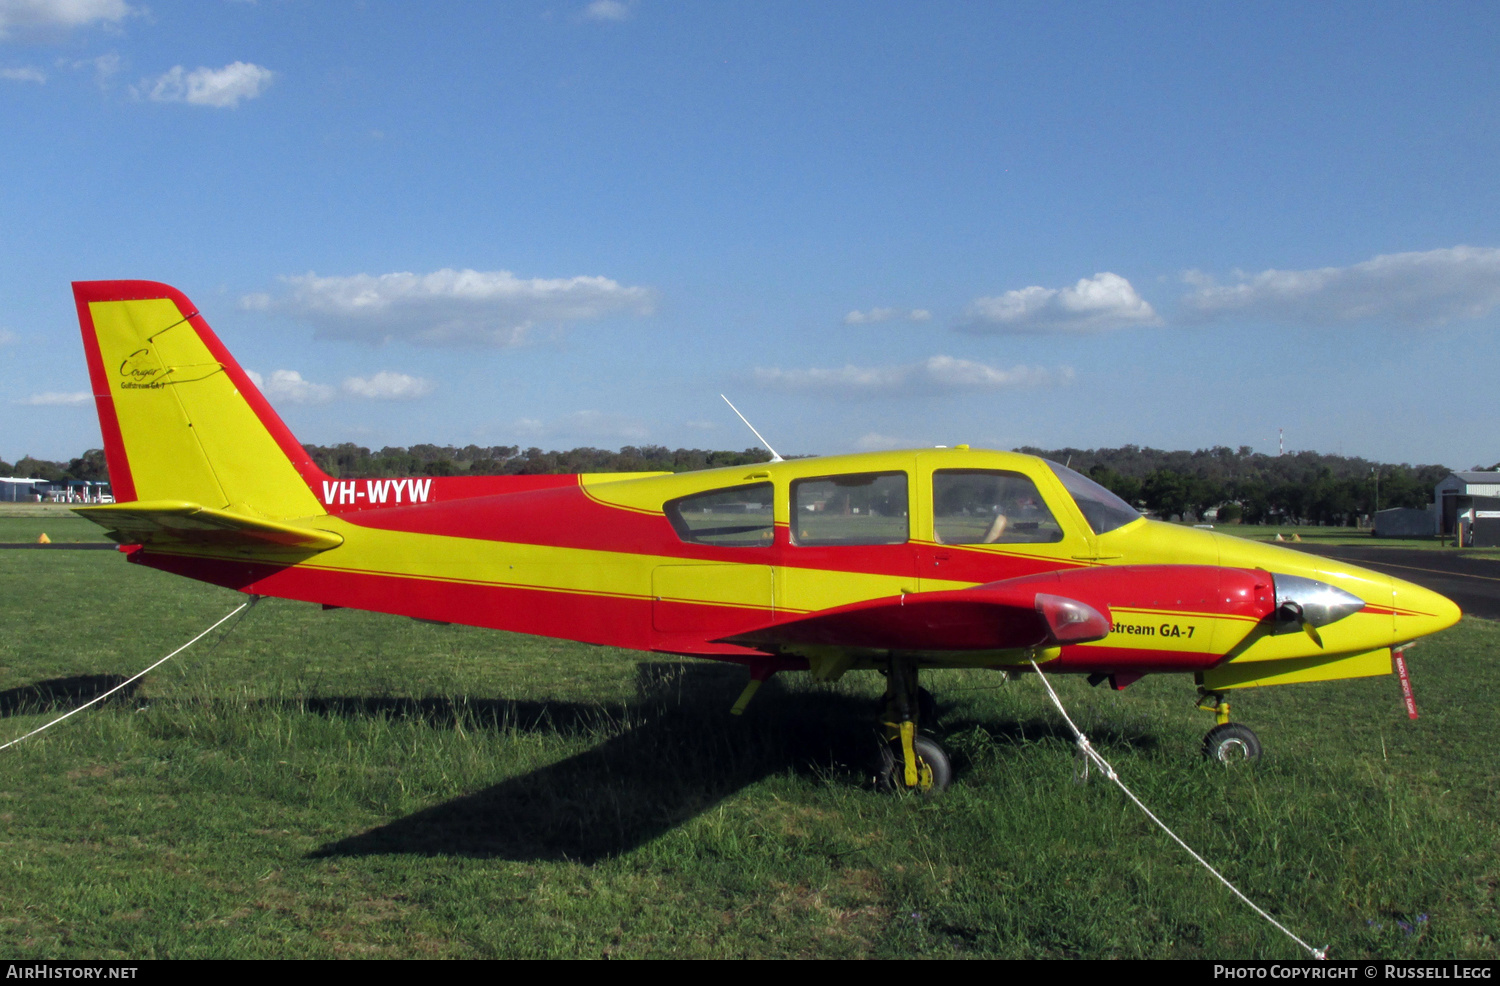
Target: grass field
346, 784
21, 523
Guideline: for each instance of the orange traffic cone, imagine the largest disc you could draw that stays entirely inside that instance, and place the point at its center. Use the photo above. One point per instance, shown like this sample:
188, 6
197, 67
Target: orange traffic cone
44, 539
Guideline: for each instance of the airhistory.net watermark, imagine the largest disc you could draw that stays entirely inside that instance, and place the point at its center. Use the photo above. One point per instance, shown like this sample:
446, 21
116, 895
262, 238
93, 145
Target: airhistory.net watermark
29, 970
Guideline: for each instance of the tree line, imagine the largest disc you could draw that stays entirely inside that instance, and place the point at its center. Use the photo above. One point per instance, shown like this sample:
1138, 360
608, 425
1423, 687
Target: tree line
1240, 484
1252, 487
90, 466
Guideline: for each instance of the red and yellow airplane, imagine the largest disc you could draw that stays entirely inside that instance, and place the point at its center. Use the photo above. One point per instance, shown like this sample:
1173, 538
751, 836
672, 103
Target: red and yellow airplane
892, 561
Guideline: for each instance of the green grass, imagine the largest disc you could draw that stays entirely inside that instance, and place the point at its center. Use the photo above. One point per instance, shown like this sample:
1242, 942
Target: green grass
21, 523
347, 784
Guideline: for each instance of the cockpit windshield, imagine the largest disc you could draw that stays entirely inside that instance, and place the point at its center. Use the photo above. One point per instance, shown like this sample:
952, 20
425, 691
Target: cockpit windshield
1102, 509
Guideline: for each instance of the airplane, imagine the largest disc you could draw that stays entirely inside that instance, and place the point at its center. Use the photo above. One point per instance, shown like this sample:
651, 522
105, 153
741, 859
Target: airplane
897, 562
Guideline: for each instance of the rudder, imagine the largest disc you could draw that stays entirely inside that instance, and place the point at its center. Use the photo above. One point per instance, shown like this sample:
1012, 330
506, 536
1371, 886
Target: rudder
181, 420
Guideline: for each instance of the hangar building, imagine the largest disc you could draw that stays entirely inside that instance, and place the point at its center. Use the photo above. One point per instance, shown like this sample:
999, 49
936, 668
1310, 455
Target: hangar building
14, 489
1471, 501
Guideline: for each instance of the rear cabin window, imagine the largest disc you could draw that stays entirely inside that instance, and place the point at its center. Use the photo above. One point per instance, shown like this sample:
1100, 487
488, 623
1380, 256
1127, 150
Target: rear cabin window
733, 518
982, 506
862, 508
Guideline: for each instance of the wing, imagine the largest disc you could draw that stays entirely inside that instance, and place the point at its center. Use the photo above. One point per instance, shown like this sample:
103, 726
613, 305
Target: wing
992, 617
180, 523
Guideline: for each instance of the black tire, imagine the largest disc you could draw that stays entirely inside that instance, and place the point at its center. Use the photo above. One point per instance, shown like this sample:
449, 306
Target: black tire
927, 709
934, 770
1231, 743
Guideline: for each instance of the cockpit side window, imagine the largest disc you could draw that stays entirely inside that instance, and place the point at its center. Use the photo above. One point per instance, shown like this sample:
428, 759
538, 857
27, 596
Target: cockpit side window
983, 506
861, 508
734, 518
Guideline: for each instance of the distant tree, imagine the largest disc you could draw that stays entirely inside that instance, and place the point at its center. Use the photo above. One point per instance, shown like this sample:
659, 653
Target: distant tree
1166, 493
1204, 494
90, 466
1127, 488
28, 467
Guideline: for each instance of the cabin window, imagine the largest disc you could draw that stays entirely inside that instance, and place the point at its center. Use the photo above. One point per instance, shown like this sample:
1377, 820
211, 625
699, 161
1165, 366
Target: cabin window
982, 506
1102, 509
863, 508
733, 518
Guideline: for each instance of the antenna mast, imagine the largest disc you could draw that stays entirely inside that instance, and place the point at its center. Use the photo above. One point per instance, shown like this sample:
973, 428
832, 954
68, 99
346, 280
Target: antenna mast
775, 456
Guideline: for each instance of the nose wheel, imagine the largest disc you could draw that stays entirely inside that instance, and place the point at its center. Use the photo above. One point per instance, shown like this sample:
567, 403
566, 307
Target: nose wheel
1231, 743
1228, 742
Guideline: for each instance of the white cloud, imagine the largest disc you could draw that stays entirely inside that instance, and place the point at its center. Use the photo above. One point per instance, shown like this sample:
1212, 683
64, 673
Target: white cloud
585, 425
1104, 301
449, 307
55, 399
105, 66
1404, 288
876, 442
288, 387
26, 74
607, 10
221, 88
936, 374
388, 386
47, 16
886, 315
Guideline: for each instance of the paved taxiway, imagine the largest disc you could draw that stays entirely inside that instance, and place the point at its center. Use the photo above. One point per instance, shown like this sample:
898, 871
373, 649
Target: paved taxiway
1472, 582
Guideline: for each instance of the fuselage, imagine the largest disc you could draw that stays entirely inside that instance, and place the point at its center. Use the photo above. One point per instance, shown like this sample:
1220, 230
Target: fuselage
677, 563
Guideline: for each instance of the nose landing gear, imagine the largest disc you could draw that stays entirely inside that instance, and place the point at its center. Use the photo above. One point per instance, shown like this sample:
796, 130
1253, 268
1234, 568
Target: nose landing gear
1228, 742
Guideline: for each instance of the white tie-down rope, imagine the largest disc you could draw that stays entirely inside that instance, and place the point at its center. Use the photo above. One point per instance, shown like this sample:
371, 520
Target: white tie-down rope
1086, 749
99, 698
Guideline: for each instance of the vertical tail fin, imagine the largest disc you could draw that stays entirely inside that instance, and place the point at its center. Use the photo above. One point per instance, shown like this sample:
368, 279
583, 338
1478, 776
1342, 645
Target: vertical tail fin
181, 419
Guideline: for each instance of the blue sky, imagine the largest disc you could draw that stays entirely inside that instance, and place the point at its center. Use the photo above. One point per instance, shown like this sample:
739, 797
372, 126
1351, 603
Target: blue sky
872, 225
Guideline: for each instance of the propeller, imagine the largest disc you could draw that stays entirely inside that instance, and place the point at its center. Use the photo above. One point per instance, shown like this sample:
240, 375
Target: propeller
1291, 612
1306, 604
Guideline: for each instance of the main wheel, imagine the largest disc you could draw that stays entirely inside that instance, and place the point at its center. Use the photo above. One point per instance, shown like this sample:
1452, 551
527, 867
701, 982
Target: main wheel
934, 771
1231, 743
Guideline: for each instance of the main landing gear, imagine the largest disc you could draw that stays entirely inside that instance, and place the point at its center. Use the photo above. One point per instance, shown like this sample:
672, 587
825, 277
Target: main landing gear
1228, 742
908, 760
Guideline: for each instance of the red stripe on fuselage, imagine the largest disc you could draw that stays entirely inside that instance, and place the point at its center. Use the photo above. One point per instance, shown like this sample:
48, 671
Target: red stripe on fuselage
1094, 659
438, 489
615, 621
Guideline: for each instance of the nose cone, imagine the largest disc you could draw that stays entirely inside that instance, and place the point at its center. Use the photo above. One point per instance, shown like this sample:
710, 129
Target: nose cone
1420, 611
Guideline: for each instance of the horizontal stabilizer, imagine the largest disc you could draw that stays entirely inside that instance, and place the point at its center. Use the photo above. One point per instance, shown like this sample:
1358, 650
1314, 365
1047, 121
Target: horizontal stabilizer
984, 618
177, 522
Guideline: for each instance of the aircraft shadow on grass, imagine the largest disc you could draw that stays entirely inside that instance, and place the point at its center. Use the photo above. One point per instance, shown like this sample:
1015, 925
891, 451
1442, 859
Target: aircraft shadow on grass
682, 755
56, 694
